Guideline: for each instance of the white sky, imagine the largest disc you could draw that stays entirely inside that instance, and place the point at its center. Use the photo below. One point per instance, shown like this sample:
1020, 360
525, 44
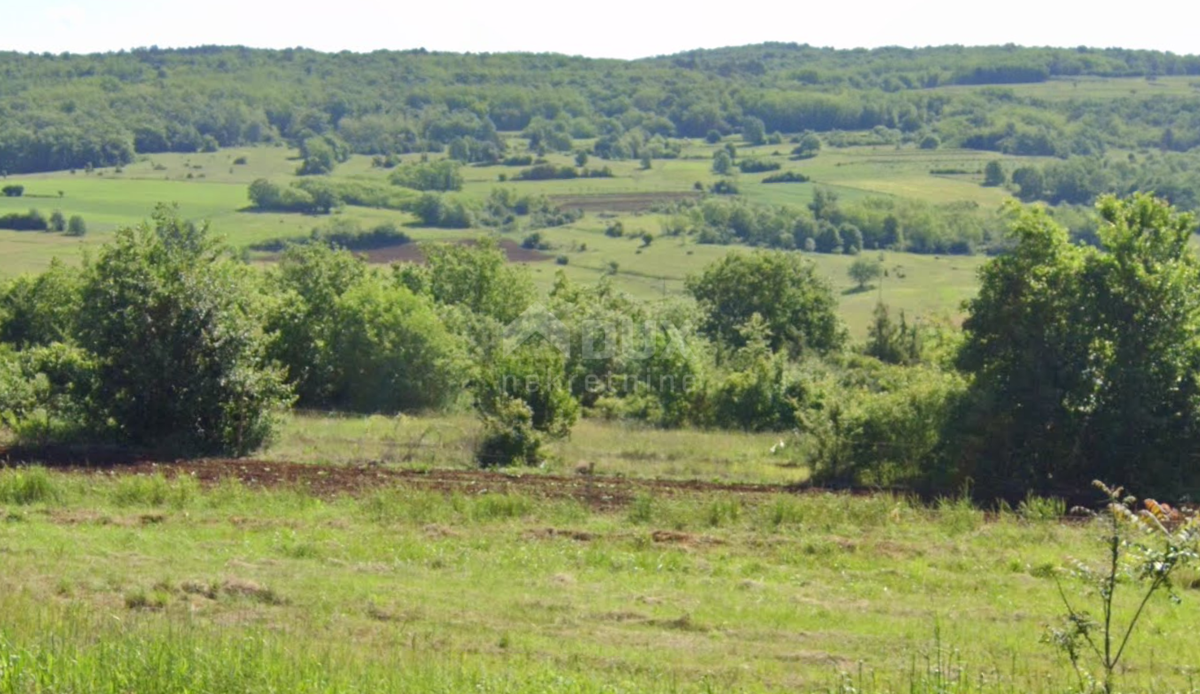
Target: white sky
609, 28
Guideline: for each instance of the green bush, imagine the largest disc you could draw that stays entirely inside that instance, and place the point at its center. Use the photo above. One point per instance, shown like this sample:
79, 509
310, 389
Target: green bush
196, 378
524, 400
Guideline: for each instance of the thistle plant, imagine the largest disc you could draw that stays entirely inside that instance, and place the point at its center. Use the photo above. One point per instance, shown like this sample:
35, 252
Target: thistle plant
1144, 547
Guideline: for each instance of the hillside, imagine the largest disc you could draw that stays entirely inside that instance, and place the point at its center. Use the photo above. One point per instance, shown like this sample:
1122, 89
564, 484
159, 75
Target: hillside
907, 143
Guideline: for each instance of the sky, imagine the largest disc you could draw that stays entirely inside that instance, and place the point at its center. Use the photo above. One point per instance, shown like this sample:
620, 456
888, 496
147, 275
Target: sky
608, 29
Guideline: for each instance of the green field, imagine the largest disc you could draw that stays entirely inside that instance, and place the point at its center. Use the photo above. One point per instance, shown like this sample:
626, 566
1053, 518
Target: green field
140, 583
211, 187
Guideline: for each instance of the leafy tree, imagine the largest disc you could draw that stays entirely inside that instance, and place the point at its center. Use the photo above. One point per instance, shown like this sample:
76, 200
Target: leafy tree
808, 147
76, 226
443, 175
174, 326
864, 269
13, 190
393, 351
722, 163
893, 342
57, 221
1030, 183
753, 131
41, 309
993, 174
1085, 361
795, 303
824, 206
581, 158
524, 401
308, 284
477, 278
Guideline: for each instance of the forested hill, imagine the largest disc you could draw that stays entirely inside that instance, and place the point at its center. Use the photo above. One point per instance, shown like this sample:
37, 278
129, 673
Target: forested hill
72, 111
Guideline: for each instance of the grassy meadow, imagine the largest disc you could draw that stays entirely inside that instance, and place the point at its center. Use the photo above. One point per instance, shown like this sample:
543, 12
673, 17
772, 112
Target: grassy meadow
149, 584
211, 186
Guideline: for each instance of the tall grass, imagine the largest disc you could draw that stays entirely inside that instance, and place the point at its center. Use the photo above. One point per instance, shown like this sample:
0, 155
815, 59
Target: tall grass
25, 486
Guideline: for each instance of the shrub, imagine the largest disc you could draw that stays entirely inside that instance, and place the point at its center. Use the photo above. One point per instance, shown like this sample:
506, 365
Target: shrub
524, 400
30, 221
13, 190
392, 351
758, 165
787, 177
76, 226
444, 175
195, 379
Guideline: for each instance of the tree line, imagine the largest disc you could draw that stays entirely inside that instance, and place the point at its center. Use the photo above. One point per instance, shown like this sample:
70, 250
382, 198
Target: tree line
70, 111
1075, 361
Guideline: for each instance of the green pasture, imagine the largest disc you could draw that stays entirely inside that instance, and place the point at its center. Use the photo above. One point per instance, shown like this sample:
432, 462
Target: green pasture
212, 187
149, 584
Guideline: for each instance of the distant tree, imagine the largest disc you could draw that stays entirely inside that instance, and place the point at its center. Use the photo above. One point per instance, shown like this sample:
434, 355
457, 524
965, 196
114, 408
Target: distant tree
796, 304
57, 221
581, 158
76, 226
13, 190
753, 131
646, 162
865, 269
828, 237
824, 206
443, 175
993, 174
722, 163
930, 141
713, 137
808, 146
1030, 183
852, 239
524, 400
894, 342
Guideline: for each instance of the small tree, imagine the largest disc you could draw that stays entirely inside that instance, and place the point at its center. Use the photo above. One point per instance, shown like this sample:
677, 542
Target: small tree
796, 304
863, 270
57, 221
753, 131
1144, 549
174, 327
581, 158
993, 174
722, 163
76, 226
13, 191
524, 400
808, 146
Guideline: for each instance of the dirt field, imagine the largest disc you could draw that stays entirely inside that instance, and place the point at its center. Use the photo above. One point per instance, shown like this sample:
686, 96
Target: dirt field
331, 480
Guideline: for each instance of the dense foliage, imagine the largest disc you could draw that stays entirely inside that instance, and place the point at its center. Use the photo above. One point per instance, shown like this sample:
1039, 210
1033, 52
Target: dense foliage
74, 111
